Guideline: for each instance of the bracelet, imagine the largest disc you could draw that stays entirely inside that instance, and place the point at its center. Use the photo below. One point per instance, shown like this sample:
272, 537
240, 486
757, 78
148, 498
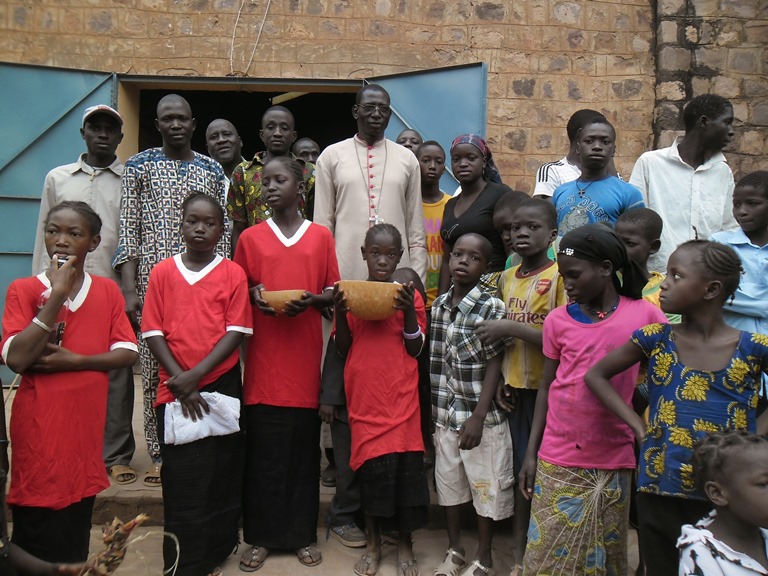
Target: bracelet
37, 322
416, 335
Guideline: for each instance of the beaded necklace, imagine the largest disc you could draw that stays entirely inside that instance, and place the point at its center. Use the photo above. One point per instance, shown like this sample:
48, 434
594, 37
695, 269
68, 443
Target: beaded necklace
602, 314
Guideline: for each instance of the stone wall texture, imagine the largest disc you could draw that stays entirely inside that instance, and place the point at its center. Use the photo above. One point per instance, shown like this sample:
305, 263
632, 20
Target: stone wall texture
636, 61
717, 46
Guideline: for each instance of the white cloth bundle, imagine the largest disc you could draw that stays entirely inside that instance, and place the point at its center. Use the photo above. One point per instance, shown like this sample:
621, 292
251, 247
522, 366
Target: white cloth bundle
223, 419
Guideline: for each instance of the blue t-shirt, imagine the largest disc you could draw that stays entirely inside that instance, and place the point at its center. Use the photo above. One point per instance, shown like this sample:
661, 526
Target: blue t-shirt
579, 203
685, 404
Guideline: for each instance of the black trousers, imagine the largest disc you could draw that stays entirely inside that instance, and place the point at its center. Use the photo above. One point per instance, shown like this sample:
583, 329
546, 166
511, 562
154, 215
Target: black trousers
660, 519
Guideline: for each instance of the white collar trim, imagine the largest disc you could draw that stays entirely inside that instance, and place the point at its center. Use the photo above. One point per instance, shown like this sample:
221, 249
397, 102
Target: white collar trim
288, 242
79, 299
191, 276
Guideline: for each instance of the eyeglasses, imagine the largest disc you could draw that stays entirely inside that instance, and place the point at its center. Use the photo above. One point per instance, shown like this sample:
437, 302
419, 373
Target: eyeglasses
384, 110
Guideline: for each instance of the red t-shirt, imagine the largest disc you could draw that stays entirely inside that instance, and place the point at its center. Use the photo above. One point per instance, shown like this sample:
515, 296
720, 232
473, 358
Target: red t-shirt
282, 365
382, 385
193, 311
57, 422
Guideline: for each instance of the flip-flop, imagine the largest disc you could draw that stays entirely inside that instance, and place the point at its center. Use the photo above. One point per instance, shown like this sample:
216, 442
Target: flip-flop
153, 472
371, 562
305, 555
449, 567
122, 470
253, 559
470, 571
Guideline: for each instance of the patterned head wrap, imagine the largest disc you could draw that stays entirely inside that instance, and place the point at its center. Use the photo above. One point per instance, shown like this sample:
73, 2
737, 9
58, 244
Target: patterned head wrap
596, 243
490, 171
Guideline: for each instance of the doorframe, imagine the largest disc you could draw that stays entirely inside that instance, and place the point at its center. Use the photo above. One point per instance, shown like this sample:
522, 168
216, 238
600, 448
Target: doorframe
129, 89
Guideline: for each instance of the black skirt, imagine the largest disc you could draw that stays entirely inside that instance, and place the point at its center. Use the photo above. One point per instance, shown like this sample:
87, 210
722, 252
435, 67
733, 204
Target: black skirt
281, 495
202, 483
59, 536
394, 487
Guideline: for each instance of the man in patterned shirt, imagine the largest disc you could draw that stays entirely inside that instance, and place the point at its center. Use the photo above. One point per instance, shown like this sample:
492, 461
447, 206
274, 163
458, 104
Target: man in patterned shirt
473, 444
245, 204
155, 183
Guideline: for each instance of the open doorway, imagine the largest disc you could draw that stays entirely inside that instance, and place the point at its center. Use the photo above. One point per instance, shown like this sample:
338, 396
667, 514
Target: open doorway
323, 109
324, 117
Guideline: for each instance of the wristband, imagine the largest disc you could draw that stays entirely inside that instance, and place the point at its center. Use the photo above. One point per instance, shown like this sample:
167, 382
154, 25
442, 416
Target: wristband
4, 442
413, 336
37, 322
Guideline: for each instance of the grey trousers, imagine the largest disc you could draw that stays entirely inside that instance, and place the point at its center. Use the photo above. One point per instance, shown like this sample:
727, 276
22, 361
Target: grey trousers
345, 506
119, 444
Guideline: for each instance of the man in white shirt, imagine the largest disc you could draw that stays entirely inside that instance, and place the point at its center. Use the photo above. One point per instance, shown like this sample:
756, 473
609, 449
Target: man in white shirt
95, 180
690, 184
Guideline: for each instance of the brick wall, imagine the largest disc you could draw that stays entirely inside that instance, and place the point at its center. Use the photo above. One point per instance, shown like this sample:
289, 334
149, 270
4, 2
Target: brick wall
718, 46
546, 58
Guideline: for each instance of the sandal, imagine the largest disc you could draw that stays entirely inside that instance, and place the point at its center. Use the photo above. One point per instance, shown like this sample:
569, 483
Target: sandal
152, 476
470, 571
216, 572
118, 472
253, 559
371, 564
305, 555
403, 566
449, 567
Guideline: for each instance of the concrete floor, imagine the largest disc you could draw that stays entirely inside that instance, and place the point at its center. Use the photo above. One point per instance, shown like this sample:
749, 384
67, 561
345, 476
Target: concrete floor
144, 556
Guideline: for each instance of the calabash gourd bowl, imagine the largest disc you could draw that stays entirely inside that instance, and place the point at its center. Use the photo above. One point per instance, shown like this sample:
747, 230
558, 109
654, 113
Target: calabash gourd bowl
279, 299
370, 300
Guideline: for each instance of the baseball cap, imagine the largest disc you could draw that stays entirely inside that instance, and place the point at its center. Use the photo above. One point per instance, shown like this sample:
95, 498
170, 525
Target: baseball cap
102, 109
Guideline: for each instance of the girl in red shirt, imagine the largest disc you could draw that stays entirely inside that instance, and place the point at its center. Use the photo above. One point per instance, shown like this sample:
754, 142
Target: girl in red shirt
382, 387
195, 316
282, 371
57, 422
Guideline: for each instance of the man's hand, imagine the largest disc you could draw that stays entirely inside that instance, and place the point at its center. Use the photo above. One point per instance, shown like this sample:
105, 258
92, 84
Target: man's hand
133, 308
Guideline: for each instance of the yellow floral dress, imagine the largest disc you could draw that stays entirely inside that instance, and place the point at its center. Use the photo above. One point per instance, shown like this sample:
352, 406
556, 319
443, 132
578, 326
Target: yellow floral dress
685, 404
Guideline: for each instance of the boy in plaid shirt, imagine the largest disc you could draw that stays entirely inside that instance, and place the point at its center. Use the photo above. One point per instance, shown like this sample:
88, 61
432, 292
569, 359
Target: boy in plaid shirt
473, 459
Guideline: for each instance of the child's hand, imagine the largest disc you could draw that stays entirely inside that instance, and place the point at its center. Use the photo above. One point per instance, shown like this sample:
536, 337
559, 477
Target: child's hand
261, 304
491, 331
640, 433
56, 359
296, 307
62, 278
527, 477
404, 297
67, 569
193, 406
470, 433
339, 300
183, 384
327, 413
327, 312
505, 398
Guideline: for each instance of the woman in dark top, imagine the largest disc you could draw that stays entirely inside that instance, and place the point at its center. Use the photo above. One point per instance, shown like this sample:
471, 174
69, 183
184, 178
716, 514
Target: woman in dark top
472, 210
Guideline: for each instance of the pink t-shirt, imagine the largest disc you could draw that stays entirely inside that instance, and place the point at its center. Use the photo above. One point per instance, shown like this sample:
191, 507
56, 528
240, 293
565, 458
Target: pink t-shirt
581, 432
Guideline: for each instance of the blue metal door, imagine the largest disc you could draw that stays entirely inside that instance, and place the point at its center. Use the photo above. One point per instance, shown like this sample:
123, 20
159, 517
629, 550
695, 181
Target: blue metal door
439, 104
40, 113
